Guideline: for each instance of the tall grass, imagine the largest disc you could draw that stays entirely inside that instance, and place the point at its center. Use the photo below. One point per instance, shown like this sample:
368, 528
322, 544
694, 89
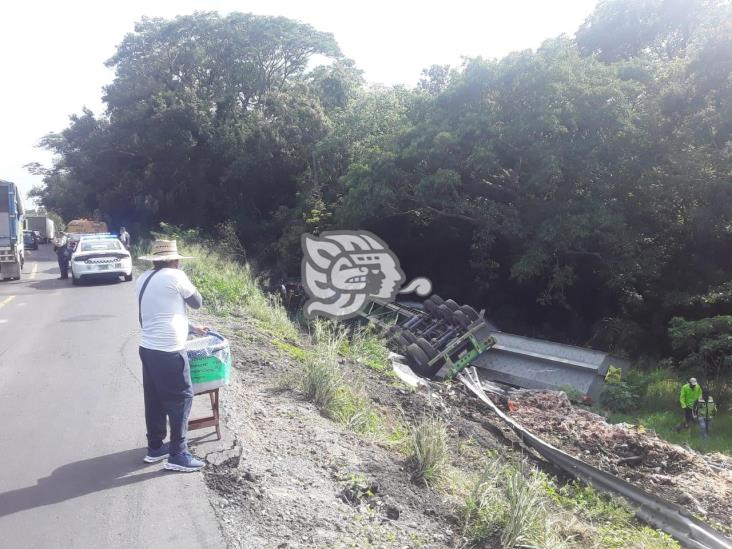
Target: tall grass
601, 520
509, 506
320, 379
428, 453
367, 346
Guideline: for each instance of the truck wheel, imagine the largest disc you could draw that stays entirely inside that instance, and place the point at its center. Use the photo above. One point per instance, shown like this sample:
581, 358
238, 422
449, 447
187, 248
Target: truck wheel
437, 299
427, 347
409, 336
430, 307
471, 313
461, 319
444, 312
128, 277
400, 342
418, 360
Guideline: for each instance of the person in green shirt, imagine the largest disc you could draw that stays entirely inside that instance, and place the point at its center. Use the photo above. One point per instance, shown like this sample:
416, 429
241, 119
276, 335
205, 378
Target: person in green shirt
705, 410
690, 393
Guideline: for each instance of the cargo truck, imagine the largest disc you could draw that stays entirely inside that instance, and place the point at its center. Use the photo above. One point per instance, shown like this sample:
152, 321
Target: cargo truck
11, 231
45, 226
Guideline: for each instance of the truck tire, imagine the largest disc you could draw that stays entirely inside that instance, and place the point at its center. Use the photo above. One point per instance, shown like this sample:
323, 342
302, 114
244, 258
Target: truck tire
418, 360
471, 313
436, 299
128, 278
427, 347
409, 336
461, 319
400, 342
430, 307
444, 312
453, 306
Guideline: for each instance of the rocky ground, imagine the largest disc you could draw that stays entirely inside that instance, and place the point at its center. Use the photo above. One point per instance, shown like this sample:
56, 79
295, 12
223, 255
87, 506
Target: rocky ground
293, 478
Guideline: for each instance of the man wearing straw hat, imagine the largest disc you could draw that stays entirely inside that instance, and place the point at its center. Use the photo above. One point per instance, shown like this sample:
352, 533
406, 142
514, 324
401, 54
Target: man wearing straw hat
163, 293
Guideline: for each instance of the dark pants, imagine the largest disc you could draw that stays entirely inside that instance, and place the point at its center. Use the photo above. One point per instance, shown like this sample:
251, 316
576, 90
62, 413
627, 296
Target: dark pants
166, 381
63, 265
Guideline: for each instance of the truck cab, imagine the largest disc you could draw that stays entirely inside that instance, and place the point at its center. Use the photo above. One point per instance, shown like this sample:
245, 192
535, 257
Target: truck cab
12, 255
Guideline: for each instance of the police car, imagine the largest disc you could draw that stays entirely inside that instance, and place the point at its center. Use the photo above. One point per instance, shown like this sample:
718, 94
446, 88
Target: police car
99, 256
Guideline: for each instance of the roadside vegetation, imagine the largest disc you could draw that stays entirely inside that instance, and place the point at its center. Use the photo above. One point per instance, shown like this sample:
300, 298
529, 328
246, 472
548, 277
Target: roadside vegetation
579, 191
650, 398
506, 503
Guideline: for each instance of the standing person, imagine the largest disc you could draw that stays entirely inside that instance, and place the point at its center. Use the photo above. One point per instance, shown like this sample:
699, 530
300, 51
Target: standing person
690, 393
124, 237
61, 247
163, 293
705, 409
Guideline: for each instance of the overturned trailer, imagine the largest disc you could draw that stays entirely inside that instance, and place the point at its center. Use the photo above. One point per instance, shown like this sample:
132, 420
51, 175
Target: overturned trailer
538, 364
440, 338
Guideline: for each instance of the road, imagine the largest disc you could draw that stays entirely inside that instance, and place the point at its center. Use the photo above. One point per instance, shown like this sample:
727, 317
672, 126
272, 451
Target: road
72, 437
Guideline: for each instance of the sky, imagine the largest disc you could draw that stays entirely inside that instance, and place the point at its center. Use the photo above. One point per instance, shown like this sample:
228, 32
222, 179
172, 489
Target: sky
52, 53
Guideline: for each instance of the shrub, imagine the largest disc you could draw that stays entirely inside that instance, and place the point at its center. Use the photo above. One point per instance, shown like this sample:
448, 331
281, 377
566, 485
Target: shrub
428, 453
663, 393
619, 397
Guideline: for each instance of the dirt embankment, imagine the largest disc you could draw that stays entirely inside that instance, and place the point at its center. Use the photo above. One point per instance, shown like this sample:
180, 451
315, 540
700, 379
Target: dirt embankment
298, 479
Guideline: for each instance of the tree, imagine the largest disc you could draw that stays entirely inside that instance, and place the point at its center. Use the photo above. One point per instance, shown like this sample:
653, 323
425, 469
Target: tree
704, 346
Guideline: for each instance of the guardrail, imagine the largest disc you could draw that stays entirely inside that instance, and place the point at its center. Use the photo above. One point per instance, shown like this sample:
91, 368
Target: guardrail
661, 514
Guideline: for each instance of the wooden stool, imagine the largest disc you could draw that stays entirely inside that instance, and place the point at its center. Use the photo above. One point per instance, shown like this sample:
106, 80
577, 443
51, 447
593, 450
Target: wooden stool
210, 421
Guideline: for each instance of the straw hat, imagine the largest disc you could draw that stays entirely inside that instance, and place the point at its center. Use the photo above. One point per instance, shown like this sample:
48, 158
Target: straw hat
164, 250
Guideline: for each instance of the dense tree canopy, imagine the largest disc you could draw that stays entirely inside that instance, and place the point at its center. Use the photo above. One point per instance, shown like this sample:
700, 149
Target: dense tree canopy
582, 191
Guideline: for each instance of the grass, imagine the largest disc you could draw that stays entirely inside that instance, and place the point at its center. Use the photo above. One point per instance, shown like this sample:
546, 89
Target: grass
368, 347
510, 504
505, 505
657, 408
604, 521
428, 453
664, 421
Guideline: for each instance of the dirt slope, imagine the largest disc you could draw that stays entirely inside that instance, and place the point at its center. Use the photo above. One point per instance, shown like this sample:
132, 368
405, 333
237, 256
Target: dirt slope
304, 481
297, 479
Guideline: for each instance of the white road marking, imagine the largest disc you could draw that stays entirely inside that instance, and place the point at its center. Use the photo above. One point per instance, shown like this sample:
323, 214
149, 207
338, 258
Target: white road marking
6, 301
20, 303
3, 320
34, 271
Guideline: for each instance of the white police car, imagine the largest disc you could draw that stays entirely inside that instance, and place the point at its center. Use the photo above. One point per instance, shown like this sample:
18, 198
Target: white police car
99, 256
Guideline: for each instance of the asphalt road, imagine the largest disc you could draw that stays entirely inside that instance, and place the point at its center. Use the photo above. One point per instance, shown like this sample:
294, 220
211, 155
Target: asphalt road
72, 432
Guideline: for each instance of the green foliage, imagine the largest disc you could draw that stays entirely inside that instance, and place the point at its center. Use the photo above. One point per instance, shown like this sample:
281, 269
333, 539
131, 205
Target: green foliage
505, 504
664, 423
320, 379
366, 345
705, 346
614, 523
620, 397
572, 394
582, 189
428, 452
